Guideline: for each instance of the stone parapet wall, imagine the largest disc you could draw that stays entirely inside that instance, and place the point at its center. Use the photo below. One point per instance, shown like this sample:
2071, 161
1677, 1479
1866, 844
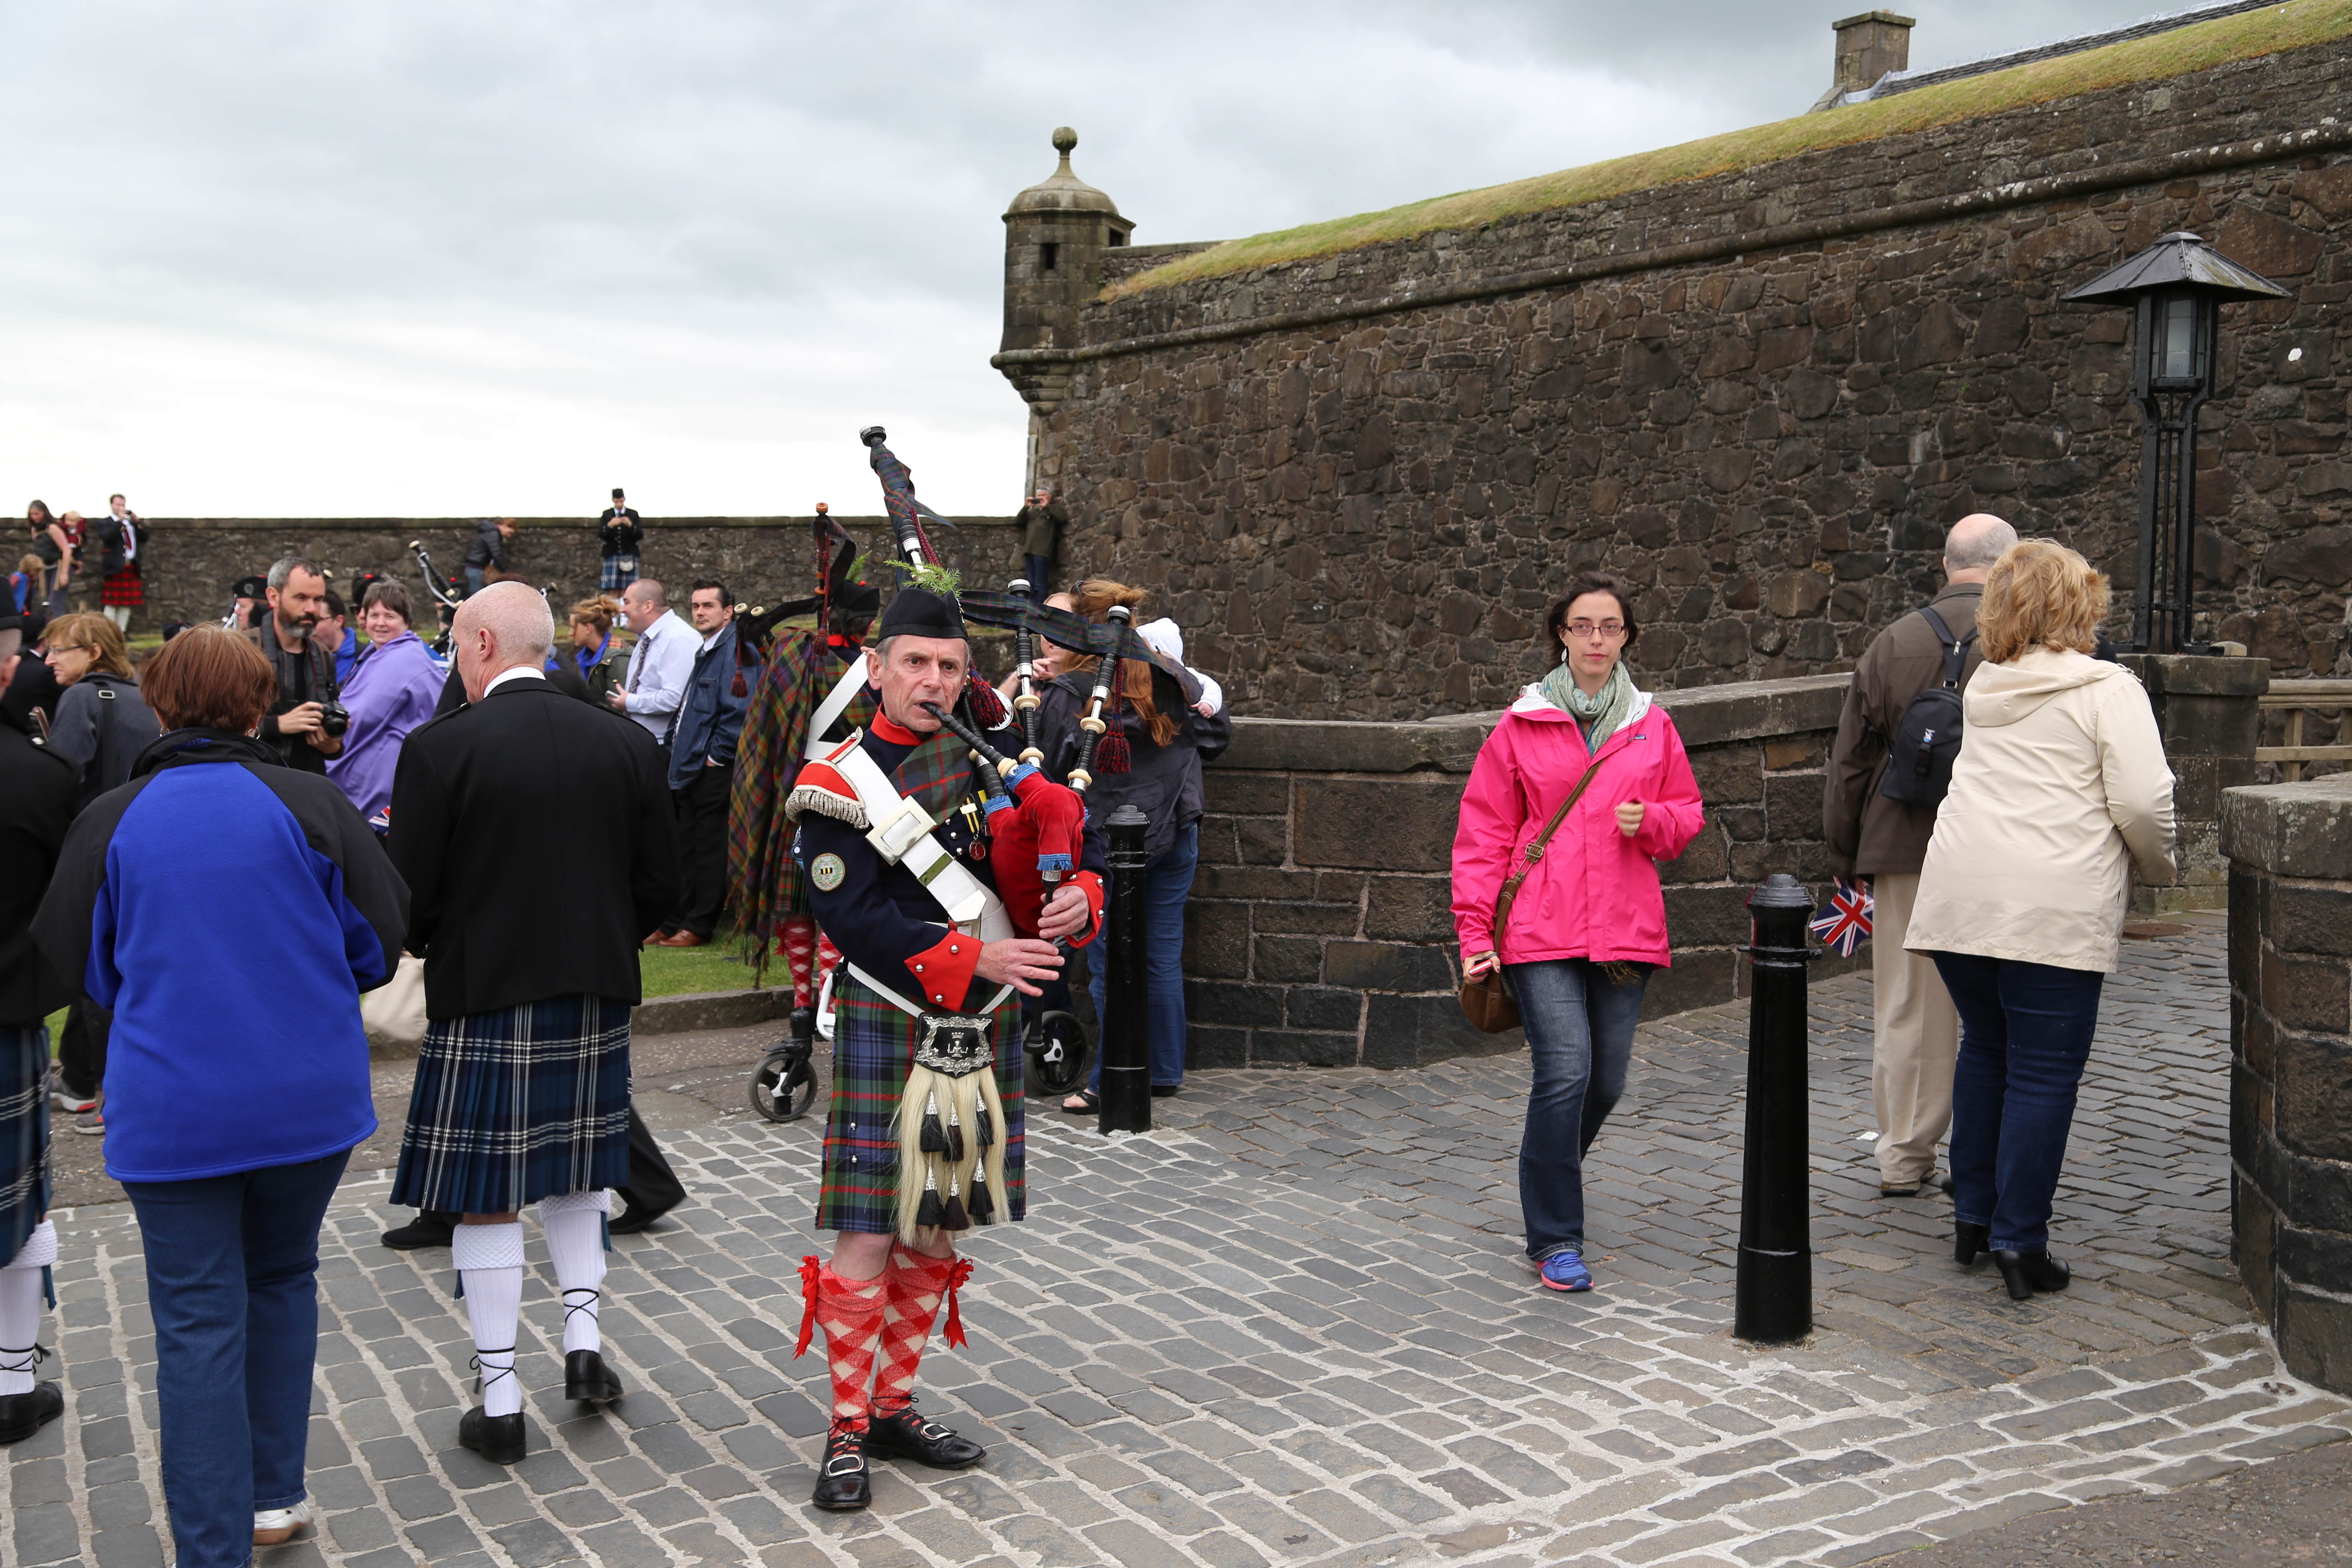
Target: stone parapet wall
2290, 852
1357, 480
2208, 712
191, 561
1320, 931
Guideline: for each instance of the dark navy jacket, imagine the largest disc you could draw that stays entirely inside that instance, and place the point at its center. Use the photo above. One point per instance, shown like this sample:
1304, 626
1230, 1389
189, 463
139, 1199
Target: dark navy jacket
229, 910
710, 721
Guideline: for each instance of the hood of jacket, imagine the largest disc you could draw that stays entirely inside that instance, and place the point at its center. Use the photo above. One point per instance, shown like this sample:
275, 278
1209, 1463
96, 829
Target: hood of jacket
178, 746
1534, 704
2001, 694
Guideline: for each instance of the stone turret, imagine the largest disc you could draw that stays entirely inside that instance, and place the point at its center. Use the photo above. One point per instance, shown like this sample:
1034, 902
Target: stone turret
1054, 234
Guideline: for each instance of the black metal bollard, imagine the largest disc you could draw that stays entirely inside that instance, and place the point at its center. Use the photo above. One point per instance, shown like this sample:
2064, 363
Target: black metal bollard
1773, 1299
1127, 1001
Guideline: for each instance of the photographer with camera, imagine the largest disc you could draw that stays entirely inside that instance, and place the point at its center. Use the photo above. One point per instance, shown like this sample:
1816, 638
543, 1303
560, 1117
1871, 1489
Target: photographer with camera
306, 725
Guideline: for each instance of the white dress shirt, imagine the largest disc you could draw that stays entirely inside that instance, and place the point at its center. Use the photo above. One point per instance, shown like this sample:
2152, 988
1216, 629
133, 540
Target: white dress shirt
519, 672
659, 667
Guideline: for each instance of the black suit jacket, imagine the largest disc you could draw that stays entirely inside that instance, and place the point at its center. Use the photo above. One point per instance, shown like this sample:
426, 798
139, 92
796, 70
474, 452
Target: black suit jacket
534, 834
38, 795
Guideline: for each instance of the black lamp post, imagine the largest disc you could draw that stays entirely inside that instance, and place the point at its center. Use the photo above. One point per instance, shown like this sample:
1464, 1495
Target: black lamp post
2175, 289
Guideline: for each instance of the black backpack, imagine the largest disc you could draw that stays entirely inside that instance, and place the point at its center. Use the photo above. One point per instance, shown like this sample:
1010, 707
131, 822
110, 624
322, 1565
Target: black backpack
1920, 754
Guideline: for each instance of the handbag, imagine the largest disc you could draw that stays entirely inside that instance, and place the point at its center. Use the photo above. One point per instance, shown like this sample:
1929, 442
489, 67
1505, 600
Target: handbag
1489, 1007
394, 1013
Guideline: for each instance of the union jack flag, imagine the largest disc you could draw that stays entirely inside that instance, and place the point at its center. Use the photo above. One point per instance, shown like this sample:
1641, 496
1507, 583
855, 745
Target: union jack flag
1846, 920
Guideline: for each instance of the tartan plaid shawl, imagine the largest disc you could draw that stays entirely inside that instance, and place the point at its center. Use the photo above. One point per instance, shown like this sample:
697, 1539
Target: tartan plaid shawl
873, 1047
764, 881
516, 1105
24, 1135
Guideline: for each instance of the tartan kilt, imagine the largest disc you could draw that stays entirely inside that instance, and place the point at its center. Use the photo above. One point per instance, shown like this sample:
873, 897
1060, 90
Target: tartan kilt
873, 1047
24, 1135
125, 589
516, 1105
617, 573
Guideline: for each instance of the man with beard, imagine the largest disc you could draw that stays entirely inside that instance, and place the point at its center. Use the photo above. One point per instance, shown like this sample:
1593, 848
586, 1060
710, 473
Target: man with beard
297, 726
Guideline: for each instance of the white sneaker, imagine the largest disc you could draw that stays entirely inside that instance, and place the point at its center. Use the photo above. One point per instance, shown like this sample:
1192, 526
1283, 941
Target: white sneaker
71, 1103
276, 1526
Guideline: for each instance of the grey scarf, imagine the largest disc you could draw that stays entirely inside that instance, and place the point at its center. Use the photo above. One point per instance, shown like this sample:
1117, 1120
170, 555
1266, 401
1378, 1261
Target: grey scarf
1597, 717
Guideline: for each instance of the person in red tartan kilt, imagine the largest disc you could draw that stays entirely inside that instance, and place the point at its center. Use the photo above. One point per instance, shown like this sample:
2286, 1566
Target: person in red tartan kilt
924, 1134
122, 588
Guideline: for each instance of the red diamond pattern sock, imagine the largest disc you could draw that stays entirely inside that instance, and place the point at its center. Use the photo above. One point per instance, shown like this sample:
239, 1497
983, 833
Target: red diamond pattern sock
828, 957
850, 1311
796, 938
918, 1284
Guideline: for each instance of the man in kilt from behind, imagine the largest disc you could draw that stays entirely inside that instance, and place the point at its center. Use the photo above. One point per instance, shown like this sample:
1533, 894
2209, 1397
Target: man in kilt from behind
521, 1093
924, 1134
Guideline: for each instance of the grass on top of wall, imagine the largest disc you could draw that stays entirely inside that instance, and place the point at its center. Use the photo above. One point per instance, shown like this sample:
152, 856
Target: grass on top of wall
2298, 24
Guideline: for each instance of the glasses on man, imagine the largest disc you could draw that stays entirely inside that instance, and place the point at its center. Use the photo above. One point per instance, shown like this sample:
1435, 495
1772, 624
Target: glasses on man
1582, 630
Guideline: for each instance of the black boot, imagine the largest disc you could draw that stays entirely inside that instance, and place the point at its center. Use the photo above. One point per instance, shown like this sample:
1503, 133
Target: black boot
907, 1435
1967, 1240
586, 1377
2026, 1272
498, 1438
842, 1481
429, 1228
22, 1415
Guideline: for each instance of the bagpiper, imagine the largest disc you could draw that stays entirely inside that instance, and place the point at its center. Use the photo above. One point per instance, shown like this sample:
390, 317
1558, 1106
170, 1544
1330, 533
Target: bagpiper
923, 1137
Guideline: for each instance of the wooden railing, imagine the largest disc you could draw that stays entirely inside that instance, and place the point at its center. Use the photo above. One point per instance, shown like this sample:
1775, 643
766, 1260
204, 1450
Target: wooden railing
2297, 698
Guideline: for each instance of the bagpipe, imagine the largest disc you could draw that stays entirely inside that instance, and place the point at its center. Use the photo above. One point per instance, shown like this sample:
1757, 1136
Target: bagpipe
444, 591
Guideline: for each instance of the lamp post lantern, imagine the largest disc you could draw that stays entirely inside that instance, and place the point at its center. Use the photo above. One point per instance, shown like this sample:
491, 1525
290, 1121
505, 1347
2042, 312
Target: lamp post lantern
2175, 289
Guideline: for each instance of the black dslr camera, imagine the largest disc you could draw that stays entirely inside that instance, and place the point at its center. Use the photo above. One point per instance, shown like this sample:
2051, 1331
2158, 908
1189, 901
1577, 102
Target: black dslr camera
335, 718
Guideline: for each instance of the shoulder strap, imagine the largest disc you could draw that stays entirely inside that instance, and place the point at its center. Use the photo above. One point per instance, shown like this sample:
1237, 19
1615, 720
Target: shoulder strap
1533, 852
1956, 649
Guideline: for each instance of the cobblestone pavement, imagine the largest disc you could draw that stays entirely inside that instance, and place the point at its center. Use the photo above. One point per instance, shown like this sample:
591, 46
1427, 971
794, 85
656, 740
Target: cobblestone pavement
1294, 1326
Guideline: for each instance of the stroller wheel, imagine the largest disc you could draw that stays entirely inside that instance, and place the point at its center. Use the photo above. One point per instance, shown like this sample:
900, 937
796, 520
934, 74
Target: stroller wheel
1058, 1053
783, 1085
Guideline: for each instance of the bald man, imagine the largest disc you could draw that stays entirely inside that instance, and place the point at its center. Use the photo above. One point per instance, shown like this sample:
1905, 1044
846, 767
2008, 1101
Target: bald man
535, 833
1878, 843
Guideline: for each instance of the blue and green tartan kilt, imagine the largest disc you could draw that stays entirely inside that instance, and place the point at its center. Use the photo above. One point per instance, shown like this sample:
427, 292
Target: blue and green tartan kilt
516, 1105
873, 1047
617, 574
24, 1135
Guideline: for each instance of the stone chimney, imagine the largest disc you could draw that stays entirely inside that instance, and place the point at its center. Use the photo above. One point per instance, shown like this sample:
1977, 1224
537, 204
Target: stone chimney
1868, 47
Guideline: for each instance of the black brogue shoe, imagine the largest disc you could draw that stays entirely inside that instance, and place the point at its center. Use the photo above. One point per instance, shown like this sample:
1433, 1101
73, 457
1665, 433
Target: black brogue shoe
843, 1484
909, 1436
588, 1379
498, 1438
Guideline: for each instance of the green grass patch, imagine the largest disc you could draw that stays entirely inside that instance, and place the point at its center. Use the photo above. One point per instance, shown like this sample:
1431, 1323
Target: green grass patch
684, 970
2298, 24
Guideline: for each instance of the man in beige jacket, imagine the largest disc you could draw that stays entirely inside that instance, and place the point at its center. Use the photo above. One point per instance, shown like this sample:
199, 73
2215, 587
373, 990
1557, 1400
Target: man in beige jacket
1880, 843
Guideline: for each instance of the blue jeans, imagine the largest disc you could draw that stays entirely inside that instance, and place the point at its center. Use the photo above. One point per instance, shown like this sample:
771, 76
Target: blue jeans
2026, 1033
1580, 1033
1167, 883
1037, 567
233, 1283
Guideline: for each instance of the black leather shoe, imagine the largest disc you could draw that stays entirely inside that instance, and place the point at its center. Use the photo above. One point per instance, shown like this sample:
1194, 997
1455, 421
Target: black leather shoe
633, 1219
842, 1481
427, 1229
1967, 1240
908, 1436
498, 1438
586, 1377
2027, 1272
22, 1415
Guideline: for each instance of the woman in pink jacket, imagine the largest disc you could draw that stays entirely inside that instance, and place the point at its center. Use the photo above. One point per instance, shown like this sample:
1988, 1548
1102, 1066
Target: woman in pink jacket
1589, 923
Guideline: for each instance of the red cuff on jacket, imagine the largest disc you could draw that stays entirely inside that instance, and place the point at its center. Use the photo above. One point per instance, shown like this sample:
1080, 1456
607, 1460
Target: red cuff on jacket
1092, 883
942, 972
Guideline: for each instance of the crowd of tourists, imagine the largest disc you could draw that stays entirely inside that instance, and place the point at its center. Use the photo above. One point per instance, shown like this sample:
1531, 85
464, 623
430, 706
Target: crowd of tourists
832, 792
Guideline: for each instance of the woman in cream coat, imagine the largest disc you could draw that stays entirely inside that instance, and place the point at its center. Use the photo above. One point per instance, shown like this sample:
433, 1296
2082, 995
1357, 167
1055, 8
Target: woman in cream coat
2060, 792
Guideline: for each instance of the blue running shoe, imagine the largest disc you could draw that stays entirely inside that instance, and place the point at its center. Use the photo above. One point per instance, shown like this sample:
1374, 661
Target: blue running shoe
1566, 1271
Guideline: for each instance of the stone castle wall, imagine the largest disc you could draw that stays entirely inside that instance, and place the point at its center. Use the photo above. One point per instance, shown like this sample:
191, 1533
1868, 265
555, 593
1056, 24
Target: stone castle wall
1356, 481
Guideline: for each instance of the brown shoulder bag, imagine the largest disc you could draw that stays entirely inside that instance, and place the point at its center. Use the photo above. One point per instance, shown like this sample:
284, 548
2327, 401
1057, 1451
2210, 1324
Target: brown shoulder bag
1489, 1007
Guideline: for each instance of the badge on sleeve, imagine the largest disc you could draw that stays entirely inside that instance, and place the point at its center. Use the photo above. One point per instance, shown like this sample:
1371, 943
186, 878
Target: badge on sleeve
827, 871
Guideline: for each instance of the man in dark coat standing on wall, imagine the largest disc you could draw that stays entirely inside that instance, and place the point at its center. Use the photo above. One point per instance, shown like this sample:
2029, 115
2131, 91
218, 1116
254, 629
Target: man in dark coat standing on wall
521, 1093
1879, 842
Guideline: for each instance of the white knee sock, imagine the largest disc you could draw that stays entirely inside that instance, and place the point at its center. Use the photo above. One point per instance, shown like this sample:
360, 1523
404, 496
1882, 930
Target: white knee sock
489, 1257
574, 1222
20, 1308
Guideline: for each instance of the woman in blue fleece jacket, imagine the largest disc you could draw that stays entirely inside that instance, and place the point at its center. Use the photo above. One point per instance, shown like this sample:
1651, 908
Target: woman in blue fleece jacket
229, 911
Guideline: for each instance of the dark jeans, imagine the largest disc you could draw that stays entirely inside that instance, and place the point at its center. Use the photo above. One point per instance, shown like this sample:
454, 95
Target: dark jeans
1581, 1034
81, 1047
701, 816
233, 1285
1037, 567
2026, 1033
1167, 883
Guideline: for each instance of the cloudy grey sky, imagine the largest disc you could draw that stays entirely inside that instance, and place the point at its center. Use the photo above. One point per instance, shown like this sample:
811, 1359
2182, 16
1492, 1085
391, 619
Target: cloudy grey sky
456, 257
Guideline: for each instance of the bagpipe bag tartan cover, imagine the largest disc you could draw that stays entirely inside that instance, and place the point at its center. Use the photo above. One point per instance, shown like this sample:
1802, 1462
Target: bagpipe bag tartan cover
24, 1135
764, 880
873, 1047
517, 1105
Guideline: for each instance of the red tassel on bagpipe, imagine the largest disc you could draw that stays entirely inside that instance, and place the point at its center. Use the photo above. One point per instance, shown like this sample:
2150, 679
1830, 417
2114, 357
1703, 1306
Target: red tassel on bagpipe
1112, 754
987, 708
810, 1267
956, 1277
